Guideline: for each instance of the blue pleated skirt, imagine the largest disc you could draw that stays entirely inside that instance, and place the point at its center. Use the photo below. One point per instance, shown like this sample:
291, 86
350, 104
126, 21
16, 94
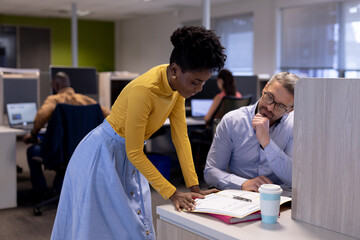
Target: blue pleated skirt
103, 195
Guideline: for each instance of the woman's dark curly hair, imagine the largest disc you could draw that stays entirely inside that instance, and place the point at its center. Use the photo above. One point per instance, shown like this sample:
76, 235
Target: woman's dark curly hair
197, 48
228, 82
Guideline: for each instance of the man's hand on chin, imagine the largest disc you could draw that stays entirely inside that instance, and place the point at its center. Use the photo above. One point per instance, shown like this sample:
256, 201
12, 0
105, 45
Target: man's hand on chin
261, 126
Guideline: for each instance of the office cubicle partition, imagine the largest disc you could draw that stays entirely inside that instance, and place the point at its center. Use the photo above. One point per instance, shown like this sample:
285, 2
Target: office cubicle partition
116, 87
18, 86
326, 163
111, 84
83, 79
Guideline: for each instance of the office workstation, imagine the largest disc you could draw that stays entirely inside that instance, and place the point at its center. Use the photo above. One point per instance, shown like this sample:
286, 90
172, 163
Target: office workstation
20, 90
182, 225
16, 86
116, 47
309, 217
8, 181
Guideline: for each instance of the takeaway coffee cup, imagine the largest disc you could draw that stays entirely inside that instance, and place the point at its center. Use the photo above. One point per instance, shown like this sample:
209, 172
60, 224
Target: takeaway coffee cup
270, 202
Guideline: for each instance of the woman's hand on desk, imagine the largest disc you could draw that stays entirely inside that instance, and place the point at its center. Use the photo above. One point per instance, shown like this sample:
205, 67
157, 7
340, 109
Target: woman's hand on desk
185, 201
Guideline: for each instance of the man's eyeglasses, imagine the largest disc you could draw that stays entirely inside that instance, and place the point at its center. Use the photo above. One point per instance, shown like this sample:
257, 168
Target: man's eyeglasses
279, 107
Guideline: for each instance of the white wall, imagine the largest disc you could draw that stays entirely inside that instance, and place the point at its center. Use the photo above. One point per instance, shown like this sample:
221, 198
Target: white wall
144, 42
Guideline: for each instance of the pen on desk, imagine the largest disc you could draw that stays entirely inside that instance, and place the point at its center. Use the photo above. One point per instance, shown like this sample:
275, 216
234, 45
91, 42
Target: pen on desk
242, 198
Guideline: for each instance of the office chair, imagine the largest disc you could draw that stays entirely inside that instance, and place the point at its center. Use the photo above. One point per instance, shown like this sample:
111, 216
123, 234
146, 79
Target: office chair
68, 125
201, 139
227, 104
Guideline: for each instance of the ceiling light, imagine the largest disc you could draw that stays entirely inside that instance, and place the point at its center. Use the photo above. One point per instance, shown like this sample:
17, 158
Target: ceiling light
79, 12
82, 13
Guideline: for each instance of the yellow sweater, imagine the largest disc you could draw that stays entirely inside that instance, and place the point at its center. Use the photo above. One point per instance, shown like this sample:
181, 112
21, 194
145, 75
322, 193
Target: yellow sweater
139, 111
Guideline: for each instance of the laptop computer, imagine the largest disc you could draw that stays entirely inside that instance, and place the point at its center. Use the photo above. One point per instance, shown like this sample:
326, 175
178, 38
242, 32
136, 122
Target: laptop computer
21, 115
200, 107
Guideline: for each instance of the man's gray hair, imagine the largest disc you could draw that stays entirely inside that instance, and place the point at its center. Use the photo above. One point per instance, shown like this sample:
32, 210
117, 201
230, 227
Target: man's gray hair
286, 79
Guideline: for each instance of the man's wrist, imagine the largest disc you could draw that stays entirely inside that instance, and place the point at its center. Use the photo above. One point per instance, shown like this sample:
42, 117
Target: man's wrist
264, 145
33, 134
195, 189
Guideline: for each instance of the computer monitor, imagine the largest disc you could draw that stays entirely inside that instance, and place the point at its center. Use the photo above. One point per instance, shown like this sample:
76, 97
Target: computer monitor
200, 107
247, 85
83, 79
210, 89
21, 113
244, 84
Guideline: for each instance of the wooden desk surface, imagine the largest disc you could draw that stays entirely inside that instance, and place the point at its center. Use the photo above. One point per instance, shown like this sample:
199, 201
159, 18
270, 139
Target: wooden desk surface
207, 227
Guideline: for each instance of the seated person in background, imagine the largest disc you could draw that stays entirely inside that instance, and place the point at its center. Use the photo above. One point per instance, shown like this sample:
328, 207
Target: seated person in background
253, 145
226, 84
64, 94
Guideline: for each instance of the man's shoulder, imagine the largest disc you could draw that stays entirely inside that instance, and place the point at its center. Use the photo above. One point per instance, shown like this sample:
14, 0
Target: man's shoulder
52, 99
235, 123
238, 119
82, 95
288, 119
287, 123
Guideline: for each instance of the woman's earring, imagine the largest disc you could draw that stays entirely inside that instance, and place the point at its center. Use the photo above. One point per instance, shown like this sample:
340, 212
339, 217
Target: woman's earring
173, 77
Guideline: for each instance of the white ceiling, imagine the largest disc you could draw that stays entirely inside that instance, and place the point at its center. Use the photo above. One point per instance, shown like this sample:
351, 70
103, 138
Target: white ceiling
100, 9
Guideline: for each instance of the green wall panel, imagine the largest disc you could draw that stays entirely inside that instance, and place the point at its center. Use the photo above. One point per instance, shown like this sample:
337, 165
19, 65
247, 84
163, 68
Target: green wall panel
96, 40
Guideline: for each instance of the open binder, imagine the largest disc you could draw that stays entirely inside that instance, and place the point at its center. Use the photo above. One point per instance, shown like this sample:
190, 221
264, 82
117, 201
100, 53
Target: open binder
233, 206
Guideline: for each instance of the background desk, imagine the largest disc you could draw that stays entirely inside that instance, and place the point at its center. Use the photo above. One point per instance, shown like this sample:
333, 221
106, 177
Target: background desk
162, 143
189, 122
8, 166
190, 226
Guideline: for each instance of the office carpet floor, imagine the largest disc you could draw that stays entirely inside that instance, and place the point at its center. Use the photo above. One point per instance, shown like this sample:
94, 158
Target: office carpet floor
20, 223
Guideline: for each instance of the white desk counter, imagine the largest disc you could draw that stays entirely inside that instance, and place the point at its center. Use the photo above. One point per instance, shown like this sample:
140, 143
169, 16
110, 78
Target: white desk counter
17, 132
8, 187
190, 226
189, 121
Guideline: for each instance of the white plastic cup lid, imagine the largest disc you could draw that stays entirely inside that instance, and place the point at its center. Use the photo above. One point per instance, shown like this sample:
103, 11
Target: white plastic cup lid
270, 189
